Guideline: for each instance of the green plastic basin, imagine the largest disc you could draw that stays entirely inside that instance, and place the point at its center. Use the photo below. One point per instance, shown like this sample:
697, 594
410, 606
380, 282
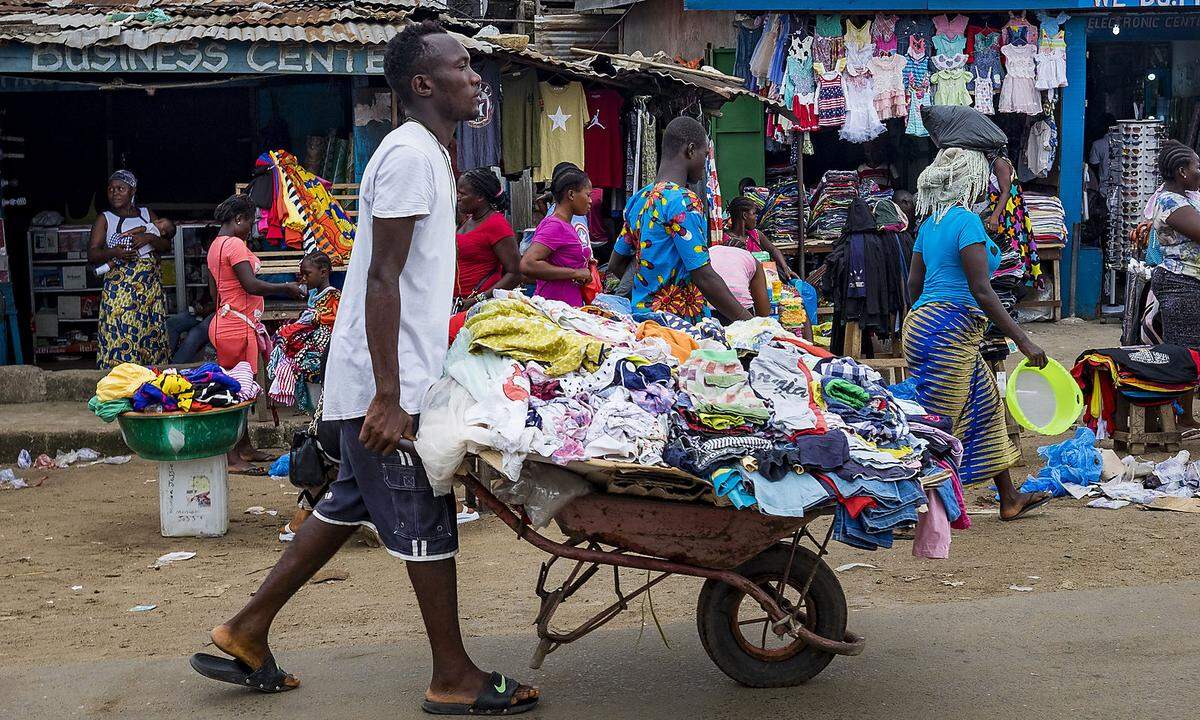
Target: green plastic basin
169, 437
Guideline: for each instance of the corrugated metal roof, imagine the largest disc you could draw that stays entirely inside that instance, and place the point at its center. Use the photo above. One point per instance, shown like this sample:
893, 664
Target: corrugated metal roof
556, 34
77, 24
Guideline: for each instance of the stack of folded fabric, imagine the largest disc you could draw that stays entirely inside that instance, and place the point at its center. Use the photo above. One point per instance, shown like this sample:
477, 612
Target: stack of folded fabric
1145, 375
831, 204
779, 216
770, 422
1048, 220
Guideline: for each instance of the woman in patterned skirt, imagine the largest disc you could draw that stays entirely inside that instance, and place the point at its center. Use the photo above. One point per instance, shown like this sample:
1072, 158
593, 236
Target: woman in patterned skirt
953, 260
133, 308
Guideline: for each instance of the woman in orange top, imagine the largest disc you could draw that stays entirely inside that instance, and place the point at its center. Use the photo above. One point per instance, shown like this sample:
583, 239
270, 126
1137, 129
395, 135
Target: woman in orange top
237, 323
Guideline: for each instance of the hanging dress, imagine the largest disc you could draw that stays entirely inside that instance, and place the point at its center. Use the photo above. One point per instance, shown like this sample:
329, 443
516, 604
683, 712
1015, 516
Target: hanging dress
828, 45
1052, 53
950, 87
987, 58
862, 120
857, 37
1018, 94
916, 83
133, 306
888, 71
883, 34
831, 96
951, 28
799, 85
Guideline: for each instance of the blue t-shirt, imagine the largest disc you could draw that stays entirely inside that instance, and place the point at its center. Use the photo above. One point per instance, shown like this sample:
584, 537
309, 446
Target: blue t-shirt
939, 244
666, 233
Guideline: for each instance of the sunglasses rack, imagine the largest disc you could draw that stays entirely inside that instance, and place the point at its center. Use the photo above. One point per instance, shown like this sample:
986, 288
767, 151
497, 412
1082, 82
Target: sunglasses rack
1140, 141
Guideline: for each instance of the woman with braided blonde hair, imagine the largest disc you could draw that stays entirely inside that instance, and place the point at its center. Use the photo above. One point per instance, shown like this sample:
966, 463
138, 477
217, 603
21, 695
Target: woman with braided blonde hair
953, 261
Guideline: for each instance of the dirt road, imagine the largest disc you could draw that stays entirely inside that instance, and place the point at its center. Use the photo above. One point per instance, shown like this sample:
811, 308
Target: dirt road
75, 555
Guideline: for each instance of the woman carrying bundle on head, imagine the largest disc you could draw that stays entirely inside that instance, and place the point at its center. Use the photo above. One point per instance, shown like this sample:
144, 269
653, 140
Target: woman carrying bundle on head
952, 263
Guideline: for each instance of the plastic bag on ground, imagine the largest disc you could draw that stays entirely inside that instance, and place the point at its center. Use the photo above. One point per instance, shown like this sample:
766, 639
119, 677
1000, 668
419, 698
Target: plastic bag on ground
282, 466
1072, 461
955, 126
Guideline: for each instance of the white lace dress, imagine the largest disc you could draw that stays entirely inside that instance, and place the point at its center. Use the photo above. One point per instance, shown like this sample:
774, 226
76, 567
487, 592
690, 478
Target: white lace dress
1018, 94
862, 119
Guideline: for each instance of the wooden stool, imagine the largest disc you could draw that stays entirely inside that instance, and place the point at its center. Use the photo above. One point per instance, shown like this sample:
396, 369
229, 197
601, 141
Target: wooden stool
1139, 428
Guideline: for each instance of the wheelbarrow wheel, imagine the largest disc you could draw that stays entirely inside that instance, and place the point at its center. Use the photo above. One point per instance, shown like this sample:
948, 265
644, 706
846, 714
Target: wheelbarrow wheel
737, 634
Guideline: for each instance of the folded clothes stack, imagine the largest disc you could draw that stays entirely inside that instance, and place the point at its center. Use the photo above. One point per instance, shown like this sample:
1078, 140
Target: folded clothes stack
1145, 375
1048, 220
132, 388
772, 423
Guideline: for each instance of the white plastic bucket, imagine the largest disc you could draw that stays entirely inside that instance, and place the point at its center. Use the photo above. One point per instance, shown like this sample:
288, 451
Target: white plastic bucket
193, 497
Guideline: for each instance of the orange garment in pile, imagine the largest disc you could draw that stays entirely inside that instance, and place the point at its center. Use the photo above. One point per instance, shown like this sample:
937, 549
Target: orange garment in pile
681, 344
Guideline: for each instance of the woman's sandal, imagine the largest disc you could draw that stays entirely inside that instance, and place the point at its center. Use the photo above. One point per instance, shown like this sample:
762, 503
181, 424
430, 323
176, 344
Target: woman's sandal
268, 678
496, 698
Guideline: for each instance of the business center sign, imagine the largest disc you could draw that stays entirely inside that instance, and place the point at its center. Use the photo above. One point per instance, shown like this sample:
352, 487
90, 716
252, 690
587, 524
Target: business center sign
209, 56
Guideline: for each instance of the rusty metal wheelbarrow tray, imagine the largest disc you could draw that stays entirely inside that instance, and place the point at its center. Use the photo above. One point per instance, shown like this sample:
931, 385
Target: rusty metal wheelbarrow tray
672, 538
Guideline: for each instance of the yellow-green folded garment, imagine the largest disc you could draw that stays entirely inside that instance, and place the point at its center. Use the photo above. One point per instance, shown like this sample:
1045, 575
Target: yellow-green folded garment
517, 330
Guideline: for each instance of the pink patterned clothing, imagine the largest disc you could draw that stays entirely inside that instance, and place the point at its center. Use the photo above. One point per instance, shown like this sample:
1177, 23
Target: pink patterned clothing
883, 34
951, 28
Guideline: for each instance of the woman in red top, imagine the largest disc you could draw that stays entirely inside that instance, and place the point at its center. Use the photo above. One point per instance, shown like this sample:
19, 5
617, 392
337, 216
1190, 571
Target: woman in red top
488, 257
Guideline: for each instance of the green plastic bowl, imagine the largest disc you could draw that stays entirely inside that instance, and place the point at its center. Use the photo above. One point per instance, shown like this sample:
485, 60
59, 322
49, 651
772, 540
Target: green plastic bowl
170, 437
1046, 400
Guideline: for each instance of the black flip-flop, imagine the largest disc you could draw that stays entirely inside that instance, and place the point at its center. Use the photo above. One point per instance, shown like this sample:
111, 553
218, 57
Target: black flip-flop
494, 699
268, 678
1031, 506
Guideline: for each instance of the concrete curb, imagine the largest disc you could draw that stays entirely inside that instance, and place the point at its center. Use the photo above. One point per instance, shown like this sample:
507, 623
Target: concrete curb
106, 439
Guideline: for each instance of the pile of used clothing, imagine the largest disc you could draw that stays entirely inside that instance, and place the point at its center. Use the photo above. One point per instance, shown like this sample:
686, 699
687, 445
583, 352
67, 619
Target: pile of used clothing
301, 347
132, 388
771, 423
1148, 375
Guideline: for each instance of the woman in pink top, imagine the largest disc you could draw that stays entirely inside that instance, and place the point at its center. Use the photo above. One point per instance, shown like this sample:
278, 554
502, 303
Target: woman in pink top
557, 258
236, 325
743, 275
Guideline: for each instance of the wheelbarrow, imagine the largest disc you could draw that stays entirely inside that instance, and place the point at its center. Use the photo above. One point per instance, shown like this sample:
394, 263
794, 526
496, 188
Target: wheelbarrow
770, 614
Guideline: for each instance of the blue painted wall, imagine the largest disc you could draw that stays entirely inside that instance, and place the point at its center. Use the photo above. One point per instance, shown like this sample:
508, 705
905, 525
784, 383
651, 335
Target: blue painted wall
1070, 147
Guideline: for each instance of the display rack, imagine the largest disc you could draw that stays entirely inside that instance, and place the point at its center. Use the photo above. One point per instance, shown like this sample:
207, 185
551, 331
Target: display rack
65, 291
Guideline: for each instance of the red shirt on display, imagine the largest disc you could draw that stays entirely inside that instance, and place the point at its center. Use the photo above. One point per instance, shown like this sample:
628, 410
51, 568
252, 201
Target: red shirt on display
604, 159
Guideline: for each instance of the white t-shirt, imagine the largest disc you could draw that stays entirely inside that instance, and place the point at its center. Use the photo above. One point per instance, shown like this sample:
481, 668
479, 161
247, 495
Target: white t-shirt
408, 176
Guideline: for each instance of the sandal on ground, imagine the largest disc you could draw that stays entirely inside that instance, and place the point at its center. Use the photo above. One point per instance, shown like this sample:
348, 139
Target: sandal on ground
1031, 506
467, 516
268, 678
1190, 434
496, 698
287, 534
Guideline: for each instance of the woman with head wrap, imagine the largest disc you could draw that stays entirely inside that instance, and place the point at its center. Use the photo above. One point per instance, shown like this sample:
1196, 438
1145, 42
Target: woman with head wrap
953, 260
133, 308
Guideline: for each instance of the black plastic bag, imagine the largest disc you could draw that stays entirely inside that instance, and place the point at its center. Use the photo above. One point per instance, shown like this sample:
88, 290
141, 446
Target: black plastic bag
959, 126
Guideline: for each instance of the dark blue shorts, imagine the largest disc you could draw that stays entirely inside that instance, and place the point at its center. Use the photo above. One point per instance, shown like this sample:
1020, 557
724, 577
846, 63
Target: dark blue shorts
390, 494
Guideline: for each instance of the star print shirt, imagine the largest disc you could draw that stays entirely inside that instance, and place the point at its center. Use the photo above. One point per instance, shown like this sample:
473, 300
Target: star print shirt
666, 234
564, 113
